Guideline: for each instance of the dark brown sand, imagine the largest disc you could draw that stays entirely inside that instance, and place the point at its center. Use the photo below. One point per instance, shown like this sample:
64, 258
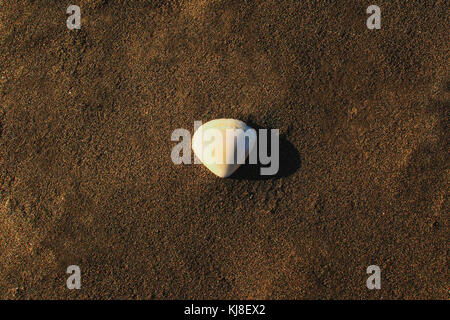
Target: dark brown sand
86, 176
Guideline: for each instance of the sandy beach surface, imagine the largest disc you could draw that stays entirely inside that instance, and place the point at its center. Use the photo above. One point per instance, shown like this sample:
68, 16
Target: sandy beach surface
86, 176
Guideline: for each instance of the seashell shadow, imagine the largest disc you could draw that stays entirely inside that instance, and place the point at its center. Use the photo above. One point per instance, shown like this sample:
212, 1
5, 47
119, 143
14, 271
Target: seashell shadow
289, 161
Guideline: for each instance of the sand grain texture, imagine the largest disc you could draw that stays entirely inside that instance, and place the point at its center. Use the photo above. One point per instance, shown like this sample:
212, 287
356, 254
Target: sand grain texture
86, 176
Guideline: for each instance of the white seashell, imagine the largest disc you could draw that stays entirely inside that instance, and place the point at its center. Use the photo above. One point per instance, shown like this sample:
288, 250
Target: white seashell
221, 145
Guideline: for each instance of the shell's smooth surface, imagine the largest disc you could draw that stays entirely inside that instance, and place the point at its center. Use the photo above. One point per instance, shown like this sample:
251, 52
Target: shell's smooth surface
216, 144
